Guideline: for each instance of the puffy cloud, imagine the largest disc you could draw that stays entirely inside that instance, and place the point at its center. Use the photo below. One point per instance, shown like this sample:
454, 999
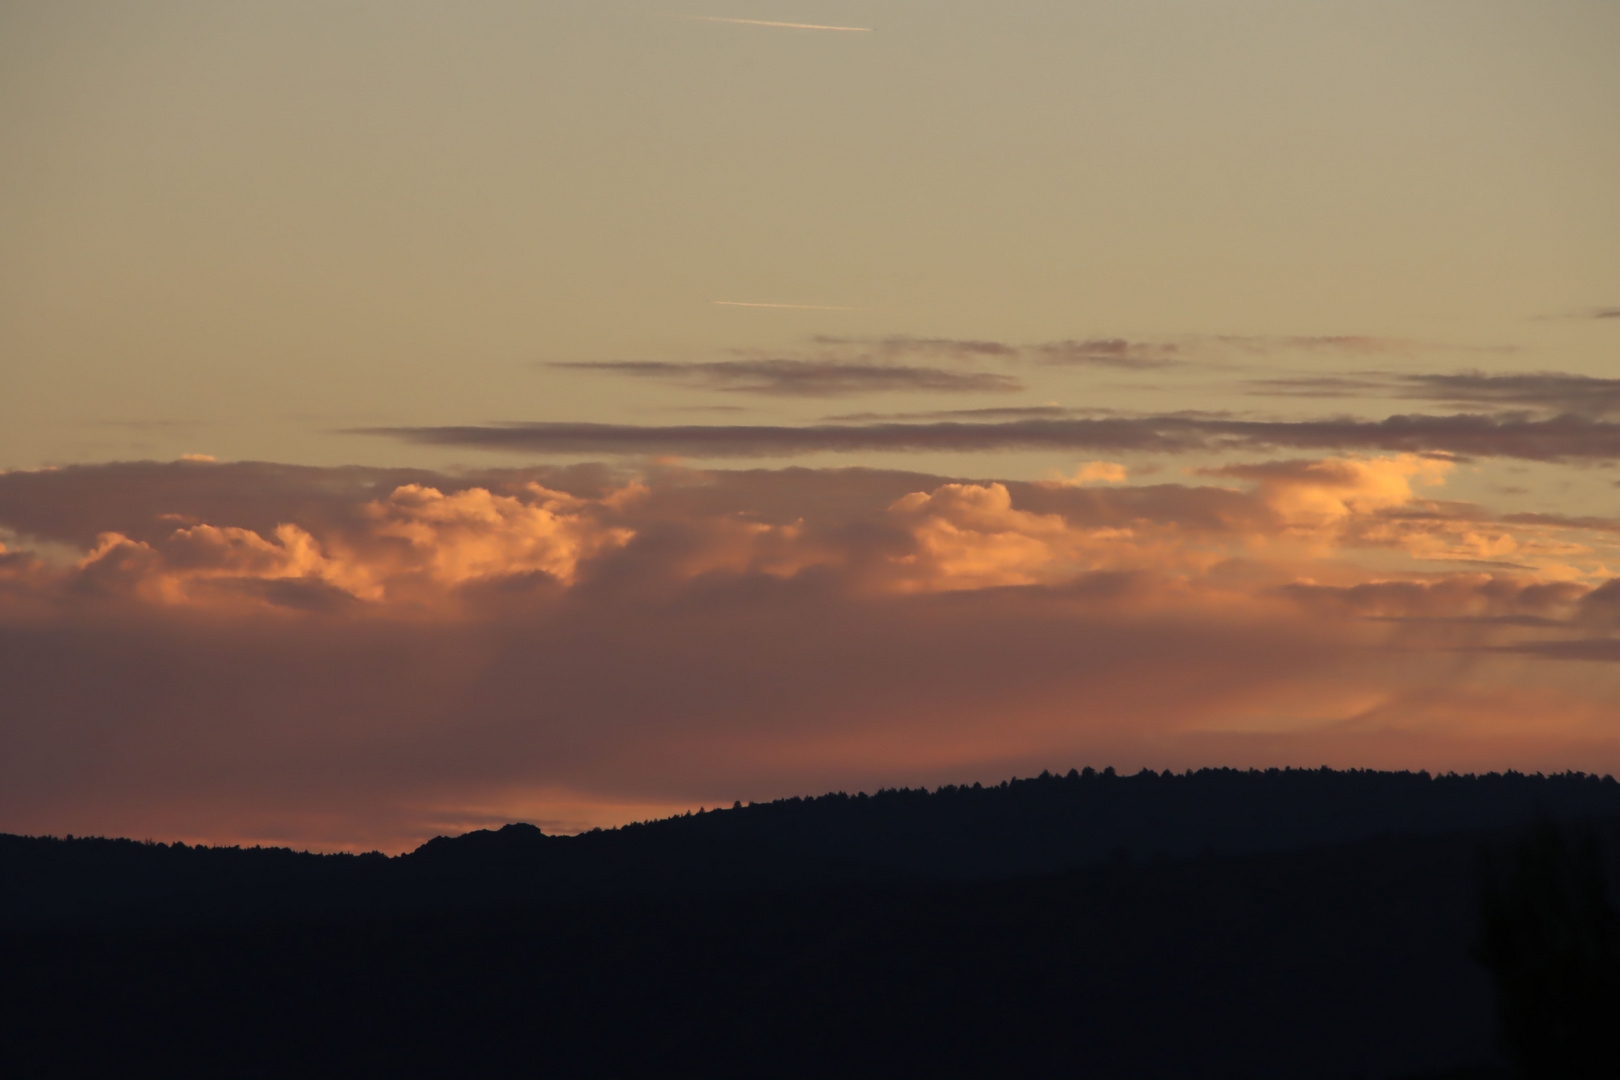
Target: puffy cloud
252, 652
969, 536
1316, 495
415, 543
433, 538
475, 534
200, 553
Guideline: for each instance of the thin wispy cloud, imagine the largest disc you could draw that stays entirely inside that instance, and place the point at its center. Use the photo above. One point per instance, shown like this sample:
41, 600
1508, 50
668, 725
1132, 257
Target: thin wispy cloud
1320, 386
1601, 311
1342, 343
778, 25
1108, 352
1581, 394
1136, 353
803, 378
1092, 352
902, 344
1560, 438
1009, 412
792, 307
1545, 391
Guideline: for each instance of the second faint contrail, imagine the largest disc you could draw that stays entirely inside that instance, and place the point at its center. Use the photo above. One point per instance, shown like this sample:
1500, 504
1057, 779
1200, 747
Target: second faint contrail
786, 25
801, 307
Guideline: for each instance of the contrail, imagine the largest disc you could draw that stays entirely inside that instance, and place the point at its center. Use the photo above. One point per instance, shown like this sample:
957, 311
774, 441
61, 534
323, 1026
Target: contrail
788, 25
800, 307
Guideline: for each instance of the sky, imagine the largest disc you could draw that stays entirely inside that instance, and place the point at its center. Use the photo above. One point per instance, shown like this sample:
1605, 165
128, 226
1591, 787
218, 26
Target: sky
415, 417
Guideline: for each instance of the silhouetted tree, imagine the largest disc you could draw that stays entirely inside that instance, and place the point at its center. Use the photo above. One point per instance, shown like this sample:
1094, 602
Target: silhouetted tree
1551, 940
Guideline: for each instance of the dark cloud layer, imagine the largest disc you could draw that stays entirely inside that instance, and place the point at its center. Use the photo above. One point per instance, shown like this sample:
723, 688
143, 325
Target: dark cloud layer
991, 412
1560, 393
1551, 392
900, 344
1121, 352
1560, 438
1087, 352
805, 378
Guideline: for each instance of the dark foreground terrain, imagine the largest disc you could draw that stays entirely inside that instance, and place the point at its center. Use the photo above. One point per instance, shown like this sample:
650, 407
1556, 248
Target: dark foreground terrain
1224, 924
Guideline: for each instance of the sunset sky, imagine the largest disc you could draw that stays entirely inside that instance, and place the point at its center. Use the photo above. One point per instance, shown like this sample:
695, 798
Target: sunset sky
420, 416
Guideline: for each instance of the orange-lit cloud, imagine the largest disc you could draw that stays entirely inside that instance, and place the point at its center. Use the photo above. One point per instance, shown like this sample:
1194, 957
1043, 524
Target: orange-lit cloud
359, 656
414, 543
1096, 472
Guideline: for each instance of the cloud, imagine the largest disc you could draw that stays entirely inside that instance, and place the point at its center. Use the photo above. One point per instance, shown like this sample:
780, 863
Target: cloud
1582, 395
1549, 392
255, 652
1323, 386
1108, 352
783, 25
969, 536
1314, 494
901, 344
1360, 344
1565, 521
1095, 472
1102, 351
804, 378
1096, 352
413, 543
1560, 438
852, 365
173, 540
797, 307
1005, 412
422, 541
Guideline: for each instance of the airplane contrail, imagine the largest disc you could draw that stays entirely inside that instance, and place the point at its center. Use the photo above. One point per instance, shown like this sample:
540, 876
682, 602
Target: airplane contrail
787, 25
801, 307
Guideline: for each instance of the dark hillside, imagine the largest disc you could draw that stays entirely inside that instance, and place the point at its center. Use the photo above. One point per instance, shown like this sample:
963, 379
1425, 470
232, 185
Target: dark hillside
1338, 962
1293, 924
1040, 825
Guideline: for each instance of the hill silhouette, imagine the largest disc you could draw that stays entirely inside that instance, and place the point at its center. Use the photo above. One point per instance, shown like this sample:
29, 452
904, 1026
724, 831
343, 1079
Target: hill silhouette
1038, 825
1293, 923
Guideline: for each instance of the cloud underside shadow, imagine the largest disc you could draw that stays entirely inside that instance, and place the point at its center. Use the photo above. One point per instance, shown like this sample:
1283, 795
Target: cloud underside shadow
803, 378
1560, 438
